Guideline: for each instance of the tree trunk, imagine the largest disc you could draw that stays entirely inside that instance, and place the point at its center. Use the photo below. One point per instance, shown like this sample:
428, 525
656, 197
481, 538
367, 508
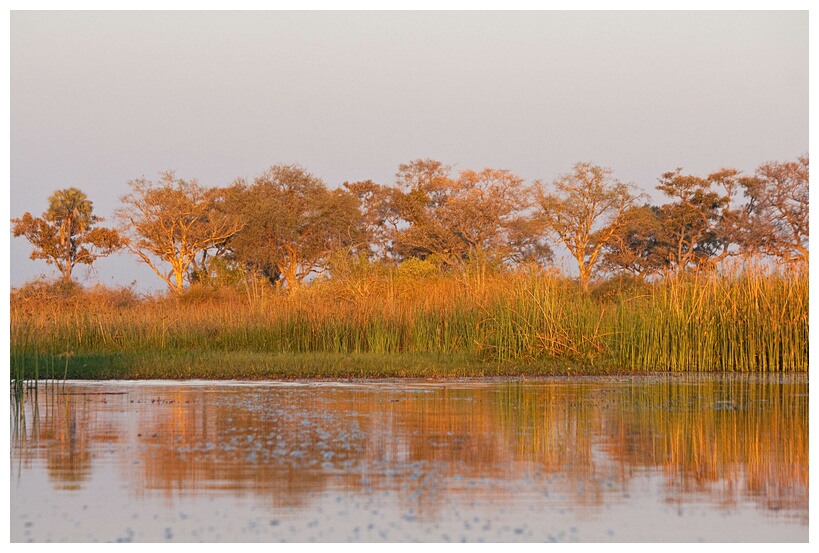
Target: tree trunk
178, 276
585, 276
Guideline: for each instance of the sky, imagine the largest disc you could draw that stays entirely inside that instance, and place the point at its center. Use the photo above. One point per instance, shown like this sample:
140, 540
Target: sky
100, 98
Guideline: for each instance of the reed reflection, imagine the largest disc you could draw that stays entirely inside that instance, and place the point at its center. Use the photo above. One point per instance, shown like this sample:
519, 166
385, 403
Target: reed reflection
63, 429
721, 442
729, 441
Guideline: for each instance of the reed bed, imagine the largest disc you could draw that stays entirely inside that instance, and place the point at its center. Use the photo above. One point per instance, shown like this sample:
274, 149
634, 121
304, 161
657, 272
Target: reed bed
746, 321
752, 321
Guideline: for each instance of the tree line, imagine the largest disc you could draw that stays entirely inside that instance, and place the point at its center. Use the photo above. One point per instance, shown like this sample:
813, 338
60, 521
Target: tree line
287, 224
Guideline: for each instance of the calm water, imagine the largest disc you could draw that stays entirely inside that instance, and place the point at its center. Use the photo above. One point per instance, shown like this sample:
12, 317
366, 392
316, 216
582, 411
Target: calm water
597, 459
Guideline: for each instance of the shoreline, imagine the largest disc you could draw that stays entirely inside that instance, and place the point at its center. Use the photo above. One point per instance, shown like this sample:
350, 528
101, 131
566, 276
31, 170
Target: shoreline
187, 365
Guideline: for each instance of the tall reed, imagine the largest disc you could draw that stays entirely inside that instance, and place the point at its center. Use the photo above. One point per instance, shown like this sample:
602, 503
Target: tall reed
747, 321
752, 321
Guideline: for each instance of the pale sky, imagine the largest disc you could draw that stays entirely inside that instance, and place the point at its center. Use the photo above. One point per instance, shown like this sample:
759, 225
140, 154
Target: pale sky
99, 98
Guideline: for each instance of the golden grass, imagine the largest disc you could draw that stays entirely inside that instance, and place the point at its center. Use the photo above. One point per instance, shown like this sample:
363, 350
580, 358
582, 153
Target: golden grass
745, 321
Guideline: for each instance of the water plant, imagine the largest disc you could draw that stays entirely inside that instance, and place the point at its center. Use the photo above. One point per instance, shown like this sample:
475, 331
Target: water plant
750, 320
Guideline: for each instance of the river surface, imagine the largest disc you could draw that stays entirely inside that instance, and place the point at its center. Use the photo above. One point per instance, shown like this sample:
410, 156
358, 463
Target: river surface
656, 458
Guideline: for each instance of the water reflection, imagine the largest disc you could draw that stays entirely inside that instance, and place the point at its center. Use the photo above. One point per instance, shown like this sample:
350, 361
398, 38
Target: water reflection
587, 444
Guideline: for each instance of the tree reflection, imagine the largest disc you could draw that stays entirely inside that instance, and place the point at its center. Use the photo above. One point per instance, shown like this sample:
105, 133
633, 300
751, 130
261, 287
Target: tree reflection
63, 429
723, 441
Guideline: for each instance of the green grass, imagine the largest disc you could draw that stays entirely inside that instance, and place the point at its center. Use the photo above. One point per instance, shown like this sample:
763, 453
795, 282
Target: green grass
245, 365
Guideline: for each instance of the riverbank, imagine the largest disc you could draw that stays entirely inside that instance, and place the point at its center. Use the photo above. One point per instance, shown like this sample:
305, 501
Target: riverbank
435, 325
246, 365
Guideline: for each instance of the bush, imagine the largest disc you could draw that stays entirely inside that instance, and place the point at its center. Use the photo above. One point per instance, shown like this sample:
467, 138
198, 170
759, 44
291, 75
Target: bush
619, 286
119, 297
47, 290
414, 268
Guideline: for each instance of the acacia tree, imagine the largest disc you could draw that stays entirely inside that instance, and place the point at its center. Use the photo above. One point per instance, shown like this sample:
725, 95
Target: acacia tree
693, 233
778, 209
704, 224
480, 214
416, 202
485, 210
65, 235
379, 221
293, 223
637, 247
171, 222
586, 212
701, 226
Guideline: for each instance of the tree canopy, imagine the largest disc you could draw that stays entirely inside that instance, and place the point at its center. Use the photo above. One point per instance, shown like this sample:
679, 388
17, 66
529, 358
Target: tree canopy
292, 223
66, 235
171, 222
586, 212
287, 224
430, 215
778, 196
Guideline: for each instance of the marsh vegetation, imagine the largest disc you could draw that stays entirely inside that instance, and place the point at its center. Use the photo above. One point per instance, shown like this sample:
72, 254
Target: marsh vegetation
416, 321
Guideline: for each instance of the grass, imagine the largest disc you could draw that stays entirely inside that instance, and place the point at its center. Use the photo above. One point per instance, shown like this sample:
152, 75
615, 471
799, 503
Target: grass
246, 365
383, 323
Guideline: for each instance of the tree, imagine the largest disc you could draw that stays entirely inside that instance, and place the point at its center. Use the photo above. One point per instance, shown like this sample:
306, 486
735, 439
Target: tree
778, 212
587, 211
416, 203
528, 244
637, 246
702, 225
692, 233
380, 222
293, 223
481, 214
65, 235
172, 221
486, 212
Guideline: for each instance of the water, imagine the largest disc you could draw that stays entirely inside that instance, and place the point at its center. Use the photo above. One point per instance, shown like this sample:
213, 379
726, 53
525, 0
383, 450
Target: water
579, 460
